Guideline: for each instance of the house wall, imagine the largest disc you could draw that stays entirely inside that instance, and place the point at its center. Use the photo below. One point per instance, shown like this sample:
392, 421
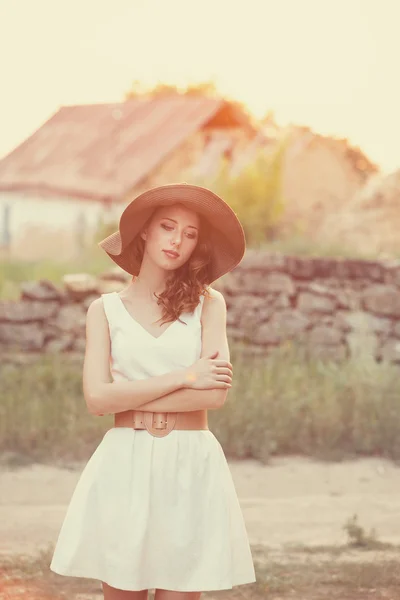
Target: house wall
195, 160
39, 227
317, 178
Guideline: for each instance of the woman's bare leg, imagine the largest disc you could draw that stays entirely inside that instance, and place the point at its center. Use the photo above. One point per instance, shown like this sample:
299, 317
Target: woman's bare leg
170, 595
111, 593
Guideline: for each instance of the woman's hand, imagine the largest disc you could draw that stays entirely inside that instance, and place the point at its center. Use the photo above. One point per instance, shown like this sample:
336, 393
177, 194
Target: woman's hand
209, 373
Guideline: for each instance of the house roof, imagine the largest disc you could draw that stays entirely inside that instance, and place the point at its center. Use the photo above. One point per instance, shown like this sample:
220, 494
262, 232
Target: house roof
357, 158
102, 151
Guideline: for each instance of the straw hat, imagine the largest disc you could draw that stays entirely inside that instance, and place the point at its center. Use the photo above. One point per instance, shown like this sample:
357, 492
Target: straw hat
225, 231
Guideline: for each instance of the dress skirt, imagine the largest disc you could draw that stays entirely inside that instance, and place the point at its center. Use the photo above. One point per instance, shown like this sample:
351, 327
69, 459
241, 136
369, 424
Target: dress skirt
152, 512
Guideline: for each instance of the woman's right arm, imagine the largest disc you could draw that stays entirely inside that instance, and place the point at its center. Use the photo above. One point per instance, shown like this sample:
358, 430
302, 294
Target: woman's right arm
101, 394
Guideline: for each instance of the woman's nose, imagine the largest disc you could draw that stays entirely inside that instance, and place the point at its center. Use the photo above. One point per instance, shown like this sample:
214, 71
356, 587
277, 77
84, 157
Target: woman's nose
176, 239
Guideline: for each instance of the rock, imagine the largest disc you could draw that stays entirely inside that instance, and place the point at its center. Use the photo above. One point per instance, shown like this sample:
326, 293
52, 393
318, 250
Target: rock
347, 298
392, 276
43, 290
301, 267
320, 290
115, 274
227, 284
80, 285
360, 269
254, 260
325, 336
390, 351
382, 300
249, 283
26, 311
281, 301
362, 321
283, 325
363, 345
312, 303
79, 345
277, 283
70, 319
60, 344
231, 318
259, 284
265, 313
25, 336
337, 321
246, 303
244, 312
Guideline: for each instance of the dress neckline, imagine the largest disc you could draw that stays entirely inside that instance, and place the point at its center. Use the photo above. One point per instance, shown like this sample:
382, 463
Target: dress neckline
135, 321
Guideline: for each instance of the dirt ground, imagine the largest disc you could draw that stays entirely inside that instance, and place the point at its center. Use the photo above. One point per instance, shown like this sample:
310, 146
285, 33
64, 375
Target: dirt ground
291, 501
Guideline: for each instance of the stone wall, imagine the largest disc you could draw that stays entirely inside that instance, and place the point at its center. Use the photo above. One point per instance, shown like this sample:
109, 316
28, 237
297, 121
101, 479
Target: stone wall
334, 307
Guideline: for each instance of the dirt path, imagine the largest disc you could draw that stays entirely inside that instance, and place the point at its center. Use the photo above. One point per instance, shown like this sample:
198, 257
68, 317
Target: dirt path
291, 500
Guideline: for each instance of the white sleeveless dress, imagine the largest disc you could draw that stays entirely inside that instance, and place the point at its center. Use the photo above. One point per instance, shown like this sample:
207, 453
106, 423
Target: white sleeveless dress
155, 512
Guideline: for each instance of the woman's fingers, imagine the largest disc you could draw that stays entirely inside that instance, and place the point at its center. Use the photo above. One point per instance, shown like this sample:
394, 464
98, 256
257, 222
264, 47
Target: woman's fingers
222, 363
222, 384
226, 378
223, 370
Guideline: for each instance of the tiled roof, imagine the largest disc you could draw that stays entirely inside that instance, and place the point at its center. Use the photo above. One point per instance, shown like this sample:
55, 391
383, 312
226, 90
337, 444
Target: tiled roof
101, 151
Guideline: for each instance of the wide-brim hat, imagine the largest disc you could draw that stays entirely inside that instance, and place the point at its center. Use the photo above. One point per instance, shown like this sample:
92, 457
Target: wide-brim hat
224, 230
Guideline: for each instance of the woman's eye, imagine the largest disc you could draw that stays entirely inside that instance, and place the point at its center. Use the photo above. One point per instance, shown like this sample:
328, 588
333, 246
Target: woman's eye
190, 236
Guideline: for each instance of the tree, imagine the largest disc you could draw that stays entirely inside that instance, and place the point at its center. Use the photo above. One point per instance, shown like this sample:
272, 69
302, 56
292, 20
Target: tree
204, 88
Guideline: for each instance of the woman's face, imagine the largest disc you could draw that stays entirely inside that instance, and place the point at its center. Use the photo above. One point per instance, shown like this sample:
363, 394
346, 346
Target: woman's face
173, 229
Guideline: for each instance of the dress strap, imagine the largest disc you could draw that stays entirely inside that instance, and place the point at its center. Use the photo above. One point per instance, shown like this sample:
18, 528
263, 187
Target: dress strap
199, 307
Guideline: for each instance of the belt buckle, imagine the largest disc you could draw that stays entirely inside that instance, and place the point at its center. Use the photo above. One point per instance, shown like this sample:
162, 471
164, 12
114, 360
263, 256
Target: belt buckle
159, 424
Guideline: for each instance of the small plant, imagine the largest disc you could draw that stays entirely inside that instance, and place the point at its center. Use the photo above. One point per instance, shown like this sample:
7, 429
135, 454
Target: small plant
357, 537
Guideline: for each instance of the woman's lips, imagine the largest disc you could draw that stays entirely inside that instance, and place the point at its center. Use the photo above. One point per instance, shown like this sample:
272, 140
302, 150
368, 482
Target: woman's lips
171, 254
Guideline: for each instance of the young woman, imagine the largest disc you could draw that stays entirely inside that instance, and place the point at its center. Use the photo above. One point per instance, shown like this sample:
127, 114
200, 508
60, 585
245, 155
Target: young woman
155, 506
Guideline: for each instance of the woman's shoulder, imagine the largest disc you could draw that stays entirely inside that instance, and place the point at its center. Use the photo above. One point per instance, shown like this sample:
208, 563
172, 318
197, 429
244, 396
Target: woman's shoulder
96, 309
214, 306
212, 293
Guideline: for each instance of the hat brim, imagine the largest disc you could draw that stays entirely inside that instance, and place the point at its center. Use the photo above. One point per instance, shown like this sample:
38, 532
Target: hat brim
226, 233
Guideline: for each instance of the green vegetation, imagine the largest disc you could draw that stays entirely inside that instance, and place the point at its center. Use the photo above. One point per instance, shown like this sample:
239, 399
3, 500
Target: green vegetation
283, 404
254, 193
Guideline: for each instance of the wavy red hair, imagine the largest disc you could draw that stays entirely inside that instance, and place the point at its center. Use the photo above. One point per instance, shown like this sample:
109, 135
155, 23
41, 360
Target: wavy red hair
184, 285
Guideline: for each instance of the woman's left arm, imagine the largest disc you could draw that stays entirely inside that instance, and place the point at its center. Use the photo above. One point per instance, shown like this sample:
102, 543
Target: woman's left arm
214, 337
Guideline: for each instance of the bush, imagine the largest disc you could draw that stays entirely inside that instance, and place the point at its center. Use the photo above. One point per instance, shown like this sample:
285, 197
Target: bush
254, 194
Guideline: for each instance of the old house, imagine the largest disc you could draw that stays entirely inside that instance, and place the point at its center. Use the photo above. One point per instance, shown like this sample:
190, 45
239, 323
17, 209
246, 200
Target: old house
370, 223
320, 175
87, 162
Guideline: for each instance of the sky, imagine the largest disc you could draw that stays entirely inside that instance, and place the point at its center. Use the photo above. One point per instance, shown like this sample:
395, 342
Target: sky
329, 64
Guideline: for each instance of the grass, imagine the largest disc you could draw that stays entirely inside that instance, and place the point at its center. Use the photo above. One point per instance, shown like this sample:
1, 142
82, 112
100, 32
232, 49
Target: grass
284, 404
290, 404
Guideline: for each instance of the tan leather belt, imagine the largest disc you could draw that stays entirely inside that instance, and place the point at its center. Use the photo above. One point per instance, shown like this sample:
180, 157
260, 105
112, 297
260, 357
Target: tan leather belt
161, 424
